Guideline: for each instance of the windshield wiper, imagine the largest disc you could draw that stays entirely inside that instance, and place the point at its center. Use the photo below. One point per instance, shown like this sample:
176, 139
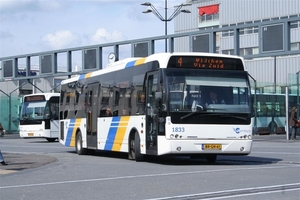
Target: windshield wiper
25, 118
198, 109
210, 114
233, 116
203, 112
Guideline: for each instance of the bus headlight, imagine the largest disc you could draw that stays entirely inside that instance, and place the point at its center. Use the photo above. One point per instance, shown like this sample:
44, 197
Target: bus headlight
172, 136
249, 137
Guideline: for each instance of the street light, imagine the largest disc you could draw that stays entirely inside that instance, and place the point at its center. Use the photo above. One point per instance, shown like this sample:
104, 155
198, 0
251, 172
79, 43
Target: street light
165, 19
298, 89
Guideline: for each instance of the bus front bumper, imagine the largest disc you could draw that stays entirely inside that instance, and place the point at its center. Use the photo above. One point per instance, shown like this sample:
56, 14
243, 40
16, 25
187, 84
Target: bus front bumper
234, 147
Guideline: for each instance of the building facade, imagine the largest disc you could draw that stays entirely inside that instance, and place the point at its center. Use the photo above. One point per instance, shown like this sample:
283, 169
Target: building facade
269, 72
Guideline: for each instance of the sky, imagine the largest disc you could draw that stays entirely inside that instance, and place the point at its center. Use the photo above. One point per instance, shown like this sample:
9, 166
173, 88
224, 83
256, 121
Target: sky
32, 26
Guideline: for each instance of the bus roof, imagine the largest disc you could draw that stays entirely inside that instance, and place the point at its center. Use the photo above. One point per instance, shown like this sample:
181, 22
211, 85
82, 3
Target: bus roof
47, 95
162, 58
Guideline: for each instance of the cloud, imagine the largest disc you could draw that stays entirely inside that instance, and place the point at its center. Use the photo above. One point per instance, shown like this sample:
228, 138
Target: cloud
6, 35
103, 36
22, 6
60, 40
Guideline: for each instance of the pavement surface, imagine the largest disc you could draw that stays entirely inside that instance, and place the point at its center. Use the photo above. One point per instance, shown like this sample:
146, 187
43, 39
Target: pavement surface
18, 161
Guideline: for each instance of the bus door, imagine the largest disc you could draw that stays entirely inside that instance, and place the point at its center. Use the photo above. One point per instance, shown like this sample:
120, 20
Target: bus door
53, 111
92, 114
151, 114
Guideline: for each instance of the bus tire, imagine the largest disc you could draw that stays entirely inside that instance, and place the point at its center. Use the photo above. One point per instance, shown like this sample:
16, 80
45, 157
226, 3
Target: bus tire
78, 145
134, 148
138, 155
273, 127
211, 158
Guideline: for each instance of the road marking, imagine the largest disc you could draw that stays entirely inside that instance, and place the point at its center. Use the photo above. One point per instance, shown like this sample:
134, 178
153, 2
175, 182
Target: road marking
225, 194
257, 193
146, 175
270, 152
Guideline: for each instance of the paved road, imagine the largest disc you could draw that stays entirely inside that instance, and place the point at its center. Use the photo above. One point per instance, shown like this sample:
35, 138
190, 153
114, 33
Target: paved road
21, 161
18, 161
39, 170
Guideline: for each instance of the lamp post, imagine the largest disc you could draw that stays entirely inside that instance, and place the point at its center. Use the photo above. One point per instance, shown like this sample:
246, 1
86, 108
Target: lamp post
298, 89
165, 19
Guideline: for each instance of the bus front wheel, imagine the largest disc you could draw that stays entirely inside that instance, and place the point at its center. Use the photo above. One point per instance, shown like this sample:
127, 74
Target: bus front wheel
134, 149
78, 145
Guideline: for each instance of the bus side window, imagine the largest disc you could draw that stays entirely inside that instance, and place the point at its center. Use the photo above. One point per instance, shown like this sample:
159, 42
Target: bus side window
116, 98
103, 106
115, 113
77, 94
141, 102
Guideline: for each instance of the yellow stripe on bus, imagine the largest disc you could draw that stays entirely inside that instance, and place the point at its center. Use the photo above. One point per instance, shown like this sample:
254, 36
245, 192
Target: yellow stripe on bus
88, 75
139, 61
76, 126
120, 133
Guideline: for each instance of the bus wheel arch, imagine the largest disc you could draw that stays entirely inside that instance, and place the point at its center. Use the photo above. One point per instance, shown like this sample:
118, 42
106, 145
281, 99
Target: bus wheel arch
134, 147
78, 144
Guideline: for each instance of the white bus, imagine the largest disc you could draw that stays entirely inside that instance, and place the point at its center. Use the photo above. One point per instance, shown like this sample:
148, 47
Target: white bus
167, 122
39, 116
271, 112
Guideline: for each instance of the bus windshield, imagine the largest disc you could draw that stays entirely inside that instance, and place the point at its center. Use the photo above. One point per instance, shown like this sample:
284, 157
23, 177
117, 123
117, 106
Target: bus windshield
36, 110
208, 91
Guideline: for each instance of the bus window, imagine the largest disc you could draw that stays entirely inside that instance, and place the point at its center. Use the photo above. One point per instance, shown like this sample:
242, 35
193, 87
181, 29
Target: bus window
141, 101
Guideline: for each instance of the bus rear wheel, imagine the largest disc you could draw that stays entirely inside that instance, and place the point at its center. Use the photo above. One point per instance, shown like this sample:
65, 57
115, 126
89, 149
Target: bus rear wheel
134, 148
78, 145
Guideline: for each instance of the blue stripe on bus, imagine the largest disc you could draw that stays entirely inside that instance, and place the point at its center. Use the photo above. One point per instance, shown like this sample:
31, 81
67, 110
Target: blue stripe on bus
112, 133
130, 64
81, 77
70, 131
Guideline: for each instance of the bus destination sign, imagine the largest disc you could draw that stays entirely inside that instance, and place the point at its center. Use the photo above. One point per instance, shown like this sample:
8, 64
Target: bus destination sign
35, 98
205, 62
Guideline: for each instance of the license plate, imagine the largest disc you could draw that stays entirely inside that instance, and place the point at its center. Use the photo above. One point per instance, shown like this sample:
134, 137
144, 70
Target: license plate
30, 134
212, 146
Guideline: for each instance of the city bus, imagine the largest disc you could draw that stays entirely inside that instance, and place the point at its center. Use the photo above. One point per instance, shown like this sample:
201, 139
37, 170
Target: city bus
174, 119
39, 116
271, 112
